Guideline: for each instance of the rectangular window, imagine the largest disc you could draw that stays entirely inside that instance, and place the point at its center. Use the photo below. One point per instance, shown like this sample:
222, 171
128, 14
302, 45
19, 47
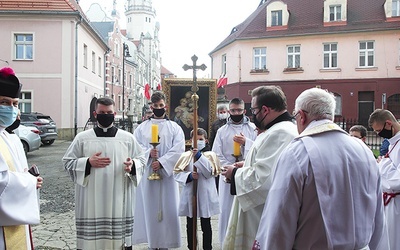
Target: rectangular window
113, 75
25, 102
23, 46
338, 99
293, 56
99, 65
223, 64
366, 54
260, 58
85, 55
93, 62
130, 81
120, 102
335, 13
276, 16
120, 76
330, 55
396, 8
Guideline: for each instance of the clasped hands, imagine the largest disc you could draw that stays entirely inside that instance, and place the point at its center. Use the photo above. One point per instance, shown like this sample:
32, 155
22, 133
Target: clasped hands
97, 161
228, 169
155, 165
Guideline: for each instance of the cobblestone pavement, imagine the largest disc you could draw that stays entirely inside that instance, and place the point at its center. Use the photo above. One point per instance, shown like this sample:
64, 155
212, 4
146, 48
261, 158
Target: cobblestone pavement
57, 227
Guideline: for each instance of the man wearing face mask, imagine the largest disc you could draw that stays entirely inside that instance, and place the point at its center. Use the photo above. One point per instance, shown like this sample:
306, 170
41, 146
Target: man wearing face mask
385, 125
18, 203
208, 166
250, 184
156, 215
222, 115
105, 163
238, 129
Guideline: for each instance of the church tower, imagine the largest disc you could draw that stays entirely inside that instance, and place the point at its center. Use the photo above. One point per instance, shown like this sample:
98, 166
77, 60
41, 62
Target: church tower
142, 27
140, 18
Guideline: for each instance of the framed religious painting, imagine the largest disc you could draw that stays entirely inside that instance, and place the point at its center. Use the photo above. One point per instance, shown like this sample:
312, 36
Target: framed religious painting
179, 93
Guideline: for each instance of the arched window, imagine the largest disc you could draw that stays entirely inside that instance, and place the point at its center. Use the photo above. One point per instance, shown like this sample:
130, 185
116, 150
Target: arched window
338, 99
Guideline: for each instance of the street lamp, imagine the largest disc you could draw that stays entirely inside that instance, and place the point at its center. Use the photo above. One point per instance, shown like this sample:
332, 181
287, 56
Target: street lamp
125, 53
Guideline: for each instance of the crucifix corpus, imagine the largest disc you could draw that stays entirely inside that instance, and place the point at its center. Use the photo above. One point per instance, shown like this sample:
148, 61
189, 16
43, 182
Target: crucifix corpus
195, 99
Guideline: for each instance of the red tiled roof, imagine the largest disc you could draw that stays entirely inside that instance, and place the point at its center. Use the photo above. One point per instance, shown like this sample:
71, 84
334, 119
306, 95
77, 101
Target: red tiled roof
306, 18
50, 5
164, 71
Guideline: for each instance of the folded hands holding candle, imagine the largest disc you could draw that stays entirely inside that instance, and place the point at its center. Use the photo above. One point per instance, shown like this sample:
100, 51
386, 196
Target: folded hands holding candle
241, 139
154, 153
156, 165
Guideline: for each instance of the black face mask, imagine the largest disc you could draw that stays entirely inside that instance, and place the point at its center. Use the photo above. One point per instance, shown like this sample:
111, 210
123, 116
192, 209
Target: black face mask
237, 118
105, 120
158, 112
386, 133
257, 122
13, 126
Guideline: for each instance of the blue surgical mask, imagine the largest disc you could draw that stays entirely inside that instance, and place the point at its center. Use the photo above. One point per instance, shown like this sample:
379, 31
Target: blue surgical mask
8, 114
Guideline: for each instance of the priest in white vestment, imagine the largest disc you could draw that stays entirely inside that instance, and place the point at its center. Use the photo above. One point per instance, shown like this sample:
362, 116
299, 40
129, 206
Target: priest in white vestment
18, 189
326, 192
156, 217
105, 164
250, 184
385, 124
238, 128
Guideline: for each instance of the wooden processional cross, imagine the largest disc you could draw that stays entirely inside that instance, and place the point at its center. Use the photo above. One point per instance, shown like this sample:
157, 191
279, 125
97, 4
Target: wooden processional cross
195, 99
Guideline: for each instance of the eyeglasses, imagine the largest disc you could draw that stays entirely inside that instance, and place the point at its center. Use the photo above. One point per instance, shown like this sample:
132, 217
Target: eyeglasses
294, 113
253, 110
236, 111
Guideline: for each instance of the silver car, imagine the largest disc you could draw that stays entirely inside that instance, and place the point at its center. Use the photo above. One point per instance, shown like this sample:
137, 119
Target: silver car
29, 137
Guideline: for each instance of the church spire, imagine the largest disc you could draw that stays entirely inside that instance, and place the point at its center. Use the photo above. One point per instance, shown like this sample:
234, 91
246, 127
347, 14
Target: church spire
114, 12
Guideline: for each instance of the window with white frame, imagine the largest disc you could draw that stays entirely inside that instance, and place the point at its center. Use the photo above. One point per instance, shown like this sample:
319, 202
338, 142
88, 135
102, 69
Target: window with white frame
396, 8
23, 46
99, 65
335, 13
120, 76
260, 58
85, 55
330, 55
276, 18
223, 70
293, 53
25, 102
93, 62
366, 53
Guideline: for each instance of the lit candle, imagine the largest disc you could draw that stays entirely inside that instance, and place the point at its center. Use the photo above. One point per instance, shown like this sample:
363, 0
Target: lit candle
236, 148
154, 133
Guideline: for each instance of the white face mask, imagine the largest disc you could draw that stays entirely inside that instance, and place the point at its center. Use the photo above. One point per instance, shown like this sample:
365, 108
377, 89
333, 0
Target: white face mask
200, 145
223, 116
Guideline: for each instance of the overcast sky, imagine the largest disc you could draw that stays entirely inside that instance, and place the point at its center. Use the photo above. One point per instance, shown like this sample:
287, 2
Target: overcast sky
189, 27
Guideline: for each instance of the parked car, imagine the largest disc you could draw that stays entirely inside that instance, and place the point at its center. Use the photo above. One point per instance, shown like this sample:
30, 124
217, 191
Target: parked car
29, 137
46, 126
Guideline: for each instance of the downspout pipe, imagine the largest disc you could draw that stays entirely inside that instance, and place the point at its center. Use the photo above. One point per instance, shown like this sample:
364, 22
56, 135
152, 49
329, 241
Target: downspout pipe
76, 77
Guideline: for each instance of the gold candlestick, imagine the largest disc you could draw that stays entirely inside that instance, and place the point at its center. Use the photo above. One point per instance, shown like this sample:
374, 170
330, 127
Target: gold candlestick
154, 176
237, 157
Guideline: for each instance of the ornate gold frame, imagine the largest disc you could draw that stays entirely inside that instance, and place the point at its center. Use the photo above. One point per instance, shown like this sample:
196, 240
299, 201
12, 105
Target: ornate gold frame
175, 90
